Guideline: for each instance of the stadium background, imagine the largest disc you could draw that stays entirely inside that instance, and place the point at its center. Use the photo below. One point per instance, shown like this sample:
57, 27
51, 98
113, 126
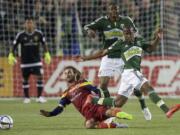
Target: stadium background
62, 23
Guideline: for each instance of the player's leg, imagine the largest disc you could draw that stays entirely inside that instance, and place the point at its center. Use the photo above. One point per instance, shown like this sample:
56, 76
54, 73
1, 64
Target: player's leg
91, 124
104, 81
145, 109
38, 71
118, 113
124, 92
140, 97
25, 85
146, 87
106, 71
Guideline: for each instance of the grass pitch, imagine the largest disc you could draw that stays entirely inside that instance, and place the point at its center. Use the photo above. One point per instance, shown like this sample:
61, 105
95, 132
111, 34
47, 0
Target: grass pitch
27, 120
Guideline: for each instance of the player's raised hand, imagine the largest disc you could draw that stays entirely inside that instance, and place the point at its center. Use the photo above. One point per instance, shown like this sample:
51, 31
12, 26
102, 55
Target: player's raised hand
45, 113
11, 59
47, 58
159, 33
78, 58
91, 33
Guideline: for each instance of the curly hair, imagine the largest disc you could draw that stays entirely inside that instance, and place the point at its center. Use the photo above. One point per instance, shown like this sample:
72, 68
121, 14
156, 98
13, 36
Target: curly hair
75, 71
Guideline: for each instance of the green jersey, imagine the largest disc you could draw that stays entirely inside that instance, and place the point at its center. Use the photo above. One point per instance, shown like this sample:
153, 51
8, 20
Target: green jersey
131, 53
111, 31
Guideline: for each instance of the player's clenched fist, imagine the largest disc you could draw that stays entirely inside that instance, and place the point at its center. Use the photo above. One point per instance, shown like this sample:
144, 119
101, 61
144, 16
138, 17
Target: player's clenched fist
45, 113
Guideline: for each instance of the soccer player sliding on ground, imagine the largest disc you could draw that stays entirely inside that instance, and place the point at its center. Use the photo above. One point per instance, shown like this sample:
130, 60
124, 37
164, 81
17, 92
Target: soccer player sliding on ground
79, 94
130, 50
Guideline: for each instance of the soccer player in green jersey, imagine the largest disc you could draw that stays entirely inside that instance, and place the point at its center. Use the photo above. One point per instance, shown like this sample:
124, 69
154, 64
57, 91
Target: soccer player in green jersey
131, 50
110, 27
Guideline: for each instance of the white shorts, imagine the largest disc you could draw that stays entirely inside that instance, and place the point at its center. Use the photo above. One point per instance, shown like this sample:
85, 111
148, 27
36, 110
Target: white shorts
110, 66
131, 80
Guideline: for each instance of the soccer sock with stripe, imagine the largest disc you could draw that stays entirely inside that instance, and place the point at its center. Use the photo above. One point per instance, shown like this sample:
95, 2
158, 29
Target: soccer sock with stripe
103, 101
104, 93
158, 101
26, 88
39, 88
139, 95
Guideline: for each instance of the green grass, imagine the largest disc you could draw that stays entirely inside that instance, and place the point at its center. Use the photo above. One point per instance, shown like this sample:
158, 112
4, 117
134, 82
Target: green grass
27, 120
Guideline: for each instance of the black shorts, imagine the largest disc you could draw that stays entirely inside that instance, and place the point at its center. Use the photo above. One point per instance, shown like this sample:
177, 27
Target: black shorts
27, 71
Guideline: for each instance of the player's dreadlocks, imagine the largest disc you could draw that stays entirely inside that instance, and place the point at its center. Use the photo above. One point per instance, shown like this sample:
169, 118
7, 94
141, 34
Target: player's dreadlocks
76, 72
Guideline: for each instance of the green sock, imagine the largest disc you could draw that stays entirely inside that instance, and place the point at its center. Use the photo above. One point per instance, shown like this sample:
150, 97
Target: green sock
158, 101
139, 95
104, 93
103, 101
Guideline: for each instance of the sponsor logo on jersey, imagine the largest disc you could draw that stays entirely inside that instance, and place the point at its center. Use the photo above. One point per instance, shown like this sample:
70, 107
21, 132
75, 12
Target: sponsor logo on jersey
132, 52
25, 38
109, 26
36, 38
122, 26
113, 33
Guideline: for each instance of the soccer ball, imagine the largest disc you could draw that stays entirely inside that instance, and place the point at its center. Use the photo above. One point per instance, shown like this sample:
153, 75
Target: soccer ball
6, 122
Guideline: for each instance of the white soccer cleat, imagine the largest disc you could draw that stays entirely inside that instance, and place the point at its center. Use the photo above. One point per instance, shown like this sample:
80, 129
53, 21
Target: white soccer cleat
120, 125
109, 120
27, 101
147, 114
41, 100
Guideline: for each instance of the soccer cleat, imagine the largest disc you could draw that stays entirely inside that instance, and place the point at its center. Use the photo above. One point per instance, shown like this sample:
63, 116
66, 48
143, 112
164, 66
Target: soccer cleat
27, 101
41, 100
123, 115
147, 114
172, 110
120, 125
109, 120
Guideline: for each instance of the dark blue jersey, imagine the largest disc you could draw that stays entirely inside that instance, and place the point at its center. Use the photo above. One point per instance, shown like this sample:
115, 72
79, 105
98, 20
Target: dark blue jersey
29, 45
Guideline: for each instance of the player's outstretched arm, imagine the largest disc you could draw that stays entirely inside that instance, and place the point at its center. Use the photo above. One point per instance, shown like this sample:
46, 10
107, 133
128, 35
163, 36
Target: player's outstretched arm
56, 111
158, 36
11, 58
98, 54
59, 109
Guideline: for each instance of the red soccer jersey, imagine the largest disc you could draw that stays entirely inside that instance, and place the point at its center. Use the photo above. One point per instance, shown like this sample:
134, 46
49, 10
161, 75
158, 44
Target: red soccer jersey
78, 94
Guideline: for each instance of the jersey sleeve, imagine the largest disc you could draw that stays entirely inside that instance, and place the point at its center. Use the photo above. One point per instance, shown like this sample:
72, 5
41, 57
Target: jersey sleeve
144, 44
93, 89
64, 100
16, 41
95, 25
42, 37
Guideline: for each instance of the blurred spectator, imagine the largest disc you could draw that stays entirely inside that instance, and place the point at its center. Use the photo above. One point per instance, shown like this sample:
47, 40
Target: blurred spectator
149, 15
72, 15
69, 27
50, 18
171, 24
28, 7
38, 15
87, 11
11, 19
129, 8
